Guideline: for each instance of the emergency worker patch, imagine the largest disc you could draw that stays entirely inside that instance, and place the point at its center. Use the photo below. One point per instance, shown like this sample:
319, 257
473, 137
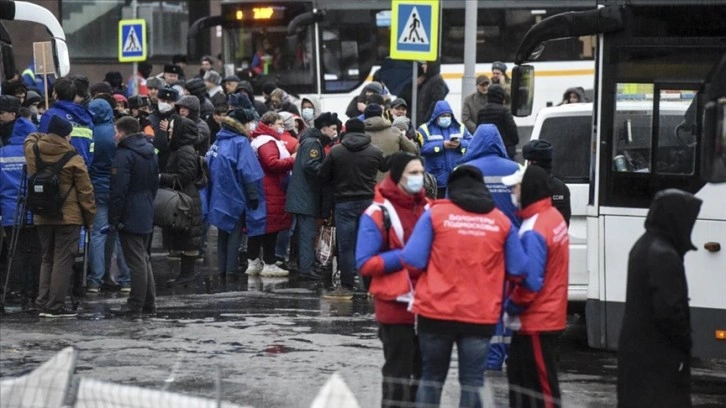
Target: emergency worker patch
314, 153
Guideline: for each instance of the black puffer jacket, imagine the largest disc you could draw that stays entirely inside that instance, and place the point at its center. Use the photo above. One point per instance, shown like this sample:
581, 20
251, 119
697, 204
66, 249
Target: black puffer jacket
134, 181
496, 113
351, 167
654, 349
182, 170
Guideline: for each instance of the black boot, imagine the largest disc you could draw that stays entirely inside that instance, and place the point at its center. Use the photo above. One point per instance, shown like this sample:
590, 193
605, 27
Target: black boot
187, 273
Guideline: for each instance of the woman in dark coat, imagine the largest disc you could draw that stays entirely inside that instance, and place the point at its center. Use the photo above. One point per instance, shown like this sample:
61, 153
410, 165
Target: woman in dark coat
654, 351
182, 171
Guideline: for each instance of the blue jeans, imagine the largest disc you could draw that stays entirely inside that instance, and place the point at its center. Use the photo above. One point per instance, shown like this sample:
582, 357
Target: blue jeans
307, 230
98, 250
228, 244
347, 214
283, 244
436, 355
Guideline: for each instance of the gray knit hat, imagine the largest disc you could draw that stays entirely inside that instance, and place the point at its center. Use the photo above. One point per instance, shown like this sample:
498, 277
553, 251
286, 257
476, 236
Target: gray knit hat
213, 77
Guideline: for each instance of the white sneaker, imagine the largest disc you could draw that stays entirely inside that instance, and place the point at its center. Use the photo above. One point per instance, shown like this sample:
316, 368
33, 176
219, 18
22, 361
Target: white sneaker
255, 267
274, 270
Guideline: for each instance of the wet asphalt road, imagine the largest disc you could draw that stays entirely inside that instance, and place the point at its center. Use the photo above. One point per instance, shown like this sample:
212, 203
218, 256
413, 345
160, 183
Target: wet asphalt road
276, 343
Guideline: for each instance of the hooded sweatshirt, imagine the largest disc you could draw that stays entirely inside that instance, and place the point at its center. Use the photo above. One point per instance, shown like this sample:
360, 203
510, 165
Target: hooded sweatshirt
487, 153
654, 352
80, 118
316, 110
104, 149
351, 167
12, 159
134, 182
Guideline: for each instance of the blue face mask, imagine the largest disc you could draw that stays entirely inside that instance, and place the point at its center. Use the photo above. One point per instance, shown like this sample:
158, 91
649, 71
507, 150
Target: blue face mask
307, 113
444, 121
414, 183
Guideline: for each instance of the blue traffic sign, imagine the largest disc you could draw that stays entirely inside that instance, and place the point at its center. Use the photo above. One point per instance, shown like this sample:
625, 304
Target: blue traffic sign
415, 29
132, 40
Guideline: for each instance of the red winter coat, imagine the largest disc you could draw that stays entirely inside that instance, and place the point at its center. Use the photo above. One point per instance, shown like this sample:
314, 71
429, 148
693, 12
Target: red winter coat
267, 144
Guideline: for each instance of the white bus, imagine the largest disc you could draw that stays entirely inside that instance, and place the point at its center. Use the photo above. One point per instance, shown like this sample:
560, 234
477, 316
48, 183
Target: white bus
667, 54
353, 38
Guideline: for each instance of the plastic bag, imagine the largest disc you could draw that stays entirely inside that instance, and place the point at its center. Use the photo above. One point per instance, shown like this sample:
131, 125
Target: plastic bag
325, 247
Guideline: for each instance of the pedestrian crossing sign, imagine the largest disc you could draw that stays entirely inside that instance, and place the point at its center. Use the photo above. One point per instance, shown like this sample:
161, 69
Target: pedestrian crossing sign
132, 40
415, 29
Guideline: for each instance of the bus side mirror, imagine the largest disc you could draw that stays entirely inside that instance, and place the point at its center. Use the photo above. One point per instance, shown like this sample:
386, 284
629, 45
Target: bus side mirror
713, 146
8, 61
522, 90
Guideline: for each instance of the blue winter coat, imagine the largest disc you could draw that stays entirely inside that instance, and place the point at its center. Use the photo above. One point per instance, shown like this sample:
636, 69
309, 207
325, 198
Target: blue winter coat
80, 118
104, 149
134, 182
12, 159
232, 165
439, 161
487, 153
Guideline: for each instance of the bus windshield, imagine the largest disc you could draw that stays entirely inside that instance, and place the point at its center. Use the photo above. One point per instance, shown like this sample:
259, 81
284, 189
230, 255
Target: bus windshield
257, 46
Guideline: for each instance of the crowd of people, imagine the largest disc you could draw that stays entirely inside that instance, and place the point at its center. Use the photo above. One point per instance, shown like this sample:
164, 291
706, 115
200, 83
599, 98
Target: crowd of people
409, 206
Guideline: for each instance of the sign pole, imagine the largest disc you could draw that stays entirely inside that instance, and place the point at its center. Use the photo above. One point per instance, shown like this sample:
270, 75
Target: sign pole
468, 82
414, 94
45, 78
135, 66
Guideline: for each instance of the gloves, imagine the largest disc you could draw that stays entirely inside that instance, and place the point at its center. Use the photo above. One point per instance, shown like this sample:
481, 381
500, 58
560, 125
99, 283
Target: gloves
254, 203
511, 322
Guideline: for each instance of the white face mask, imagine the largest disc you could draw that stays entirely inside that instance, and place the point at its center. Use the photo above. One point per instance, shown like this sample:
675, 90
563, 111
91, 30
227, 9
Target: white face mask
252, 126
280, 131
514, 200
307, 113
165, 107
414, 183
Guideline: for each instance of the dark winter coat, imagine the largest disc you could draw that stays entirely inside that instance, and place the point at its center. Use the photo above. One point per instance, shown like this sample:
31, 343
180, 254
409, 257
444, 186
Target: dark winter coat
305, 194
432, 90
351, 168
103, 149
496, 113
182, 171
277, 174
654, 349
161, 138
134, 182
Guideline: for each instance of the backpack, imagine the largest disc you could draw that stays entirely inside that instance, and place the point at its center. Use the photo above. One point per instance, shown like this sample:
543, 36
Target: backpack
44, 195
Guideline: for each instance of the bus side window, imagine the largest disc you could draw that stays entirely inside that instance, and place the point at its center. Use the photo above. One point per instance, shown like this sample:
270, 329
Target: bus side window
676, 132
633, 128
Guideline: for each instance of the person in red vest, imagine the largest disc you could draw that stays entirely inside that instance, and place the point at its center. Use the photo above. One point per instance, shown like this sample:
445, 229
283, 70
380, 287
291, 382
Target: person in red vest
537, 307
464, 248
384, 229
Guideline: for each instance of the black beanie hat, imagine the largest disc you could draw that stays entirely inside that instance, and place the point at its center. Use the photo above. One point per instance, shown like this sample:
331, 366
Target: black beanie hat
397, 163
59, 126
373, 110
242, 116
9, 103
354, 126
535, 186
172, 69
101, 87
269, 87
196, 87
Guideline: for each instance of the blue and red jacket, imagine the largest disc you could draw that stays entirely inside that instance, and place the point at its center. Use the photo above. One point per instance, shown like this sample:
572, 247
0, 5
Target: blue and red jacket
82, 121
540, 300
378, 250
465, 257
